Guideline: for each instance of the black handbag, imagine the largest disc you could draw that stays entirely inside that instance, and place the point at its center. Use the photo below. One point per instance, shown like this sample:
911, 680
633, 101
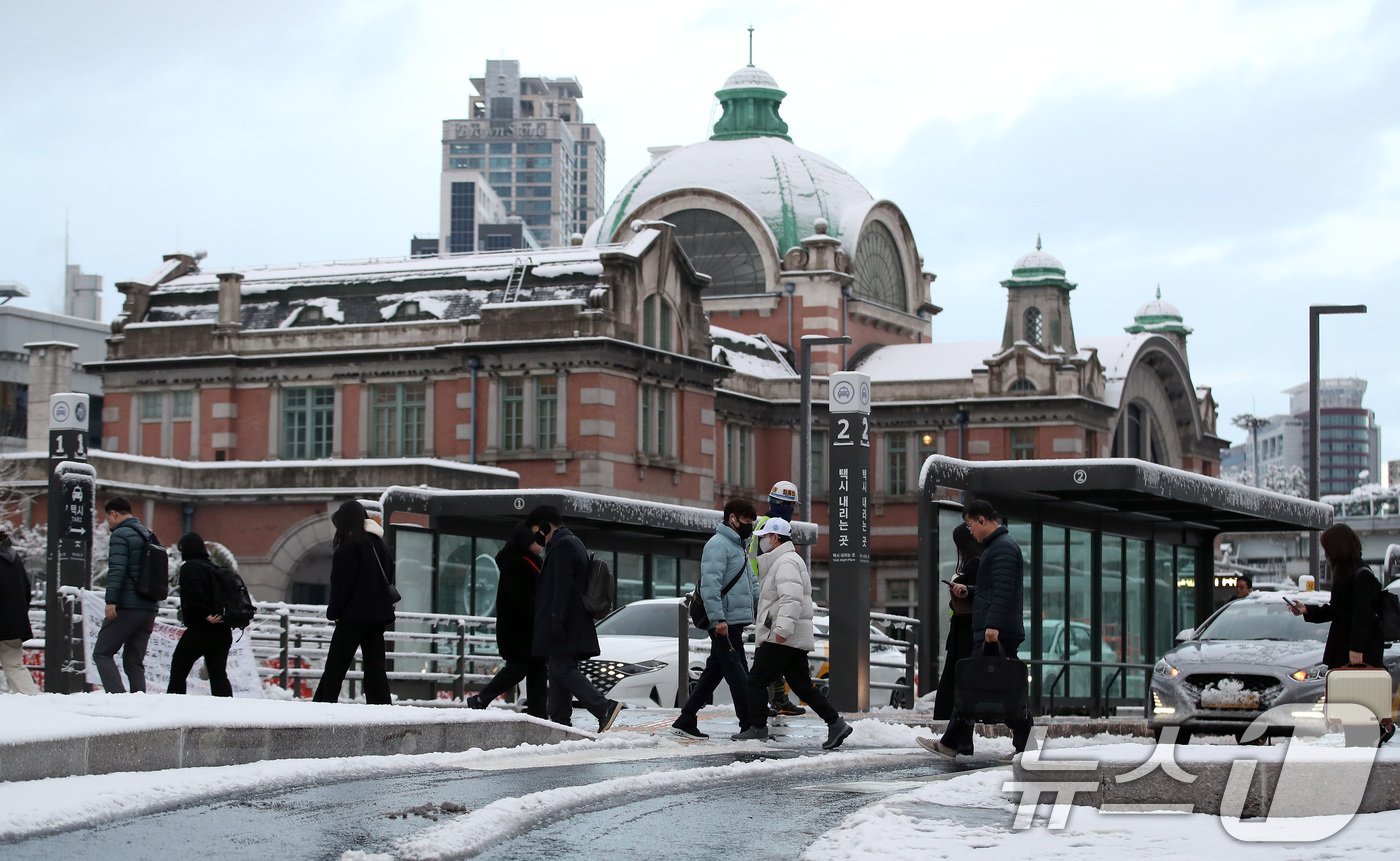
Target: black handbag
394, 596
696, 605
990, 688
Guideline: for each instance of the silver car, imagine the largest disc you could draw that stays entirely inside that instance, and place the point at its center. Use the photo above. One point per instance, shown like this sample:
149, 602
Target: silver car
1251, 655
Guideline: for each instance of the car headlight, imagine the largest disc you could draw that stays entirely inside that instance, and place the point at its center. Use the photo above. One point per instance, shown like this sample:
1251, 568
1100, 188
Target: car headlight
643, 667
1165, 670
1309, 674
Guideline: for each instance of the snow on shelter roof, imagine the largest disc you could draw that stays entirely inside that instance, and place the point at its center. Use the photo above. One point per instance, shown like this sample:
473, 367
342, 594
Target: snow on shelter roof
1124, 489
372, 291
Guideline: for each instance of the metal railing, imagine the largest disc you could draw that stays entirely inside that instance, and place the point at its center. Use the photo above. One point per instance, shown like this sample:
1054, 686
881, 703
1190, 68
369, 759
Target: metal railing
1101, 699
449, 654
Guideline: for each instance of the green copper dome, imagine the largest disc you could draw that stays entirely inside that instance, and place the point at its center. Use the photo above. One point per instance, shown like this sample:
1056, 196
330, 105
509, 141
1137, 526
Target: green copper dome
750, 98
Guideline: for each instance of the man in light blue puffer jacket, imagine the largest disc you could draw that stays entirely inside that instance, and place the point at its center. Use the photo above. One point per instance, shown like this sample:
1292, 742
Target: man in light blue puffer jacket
730, 593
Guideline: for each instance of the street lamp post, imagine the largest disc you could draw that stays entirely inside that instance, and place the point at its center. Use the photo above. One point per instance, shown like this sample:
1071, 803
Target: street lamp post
1315, 313
804, 463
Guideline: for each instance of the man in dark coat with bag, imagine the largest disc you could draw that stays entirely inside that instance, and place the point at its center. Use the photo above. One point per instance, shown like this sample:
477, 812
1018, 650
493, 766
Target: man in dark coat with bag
564, 631
519, 564
996, 619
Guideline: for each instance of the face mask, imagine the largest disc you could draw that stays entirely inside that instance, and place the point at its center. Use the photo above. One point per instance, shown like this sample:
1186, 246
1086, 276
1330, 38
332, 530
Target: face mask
765, 545
744, 530
538, 537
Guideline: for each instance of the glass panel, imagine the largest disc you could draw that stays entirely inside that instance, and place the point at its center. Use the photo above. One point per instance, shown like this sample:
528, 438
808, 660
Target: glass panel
689, 574
1111, 602
628, 575
1163, 634
1021, 534
1135, 645
1185, 588
1078, 633
878, 269
413, 575
454, 575
722, 249
487, 577
182, 404
665, 572
1053, 646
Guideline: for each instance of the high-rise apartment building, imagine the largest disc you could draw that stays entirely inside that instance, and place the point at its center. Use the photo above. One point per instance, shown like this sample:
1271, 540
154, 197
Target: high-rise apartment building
527, 137
1349, 438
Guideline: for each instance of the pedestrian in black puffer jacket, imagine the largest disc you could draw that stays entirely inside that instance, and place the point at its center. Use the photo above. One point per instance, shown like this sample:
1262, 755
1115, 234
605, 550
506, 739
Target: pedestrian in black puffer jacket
1354, 608
202, 609
519, 564
15, 592
360, 605
997, 602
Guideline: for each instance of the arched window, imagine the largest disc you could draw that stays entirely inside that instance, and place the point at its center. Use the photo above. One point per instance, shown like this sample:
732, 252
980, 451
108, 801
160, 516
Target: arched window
1022, 385
1033, 331
878, 269
658, 323
720, 248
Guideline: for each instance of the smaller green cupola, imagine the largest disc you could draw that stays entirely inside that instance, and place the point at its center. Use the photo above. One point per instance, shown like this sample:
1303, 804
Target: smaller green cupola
1159, 317
750, 99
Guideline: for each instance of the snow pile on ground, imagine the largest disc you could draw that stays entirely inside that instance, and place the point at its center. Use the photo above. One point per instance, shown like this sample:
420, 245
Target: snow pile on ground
954, 817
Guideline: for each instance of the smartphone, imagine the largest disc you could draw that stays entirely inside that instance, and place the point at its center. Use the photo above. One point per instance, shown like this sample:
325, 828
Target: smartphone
949, 582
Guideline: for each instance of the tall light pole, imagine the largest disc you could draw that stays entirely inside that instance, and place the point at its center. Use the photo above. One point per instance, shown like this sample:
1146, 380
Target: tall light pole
1251, 423
804, 463
1315, 313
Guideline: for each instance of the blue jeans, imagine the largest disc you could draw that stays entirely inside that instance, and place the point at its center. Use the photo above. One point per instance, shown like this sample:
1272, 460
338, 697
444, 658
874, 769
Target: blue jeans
729, 662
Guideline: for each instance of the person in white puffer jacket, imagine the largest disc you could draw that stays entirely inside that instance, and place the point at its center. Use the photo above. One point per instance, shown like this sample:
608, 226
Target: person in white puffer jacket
783, 634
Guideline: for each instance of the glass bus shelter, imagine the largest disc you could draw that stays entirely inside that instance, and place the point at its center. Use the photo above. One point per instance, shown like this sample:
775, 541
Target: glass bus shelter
1119, 558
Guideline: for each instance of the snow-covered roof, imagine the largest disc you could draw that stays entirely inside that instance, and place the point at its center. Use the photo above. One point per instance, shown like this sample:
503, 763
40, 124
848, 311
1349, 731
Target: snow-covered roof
1039, 260
788, 187
750, 355
1117, 354
373, 291
750, 76
904, 363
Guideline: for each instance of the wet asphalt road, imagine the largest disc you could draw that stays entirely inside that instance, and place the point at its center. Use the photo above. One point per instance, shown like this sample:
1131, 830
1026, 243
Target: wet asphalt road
755, 818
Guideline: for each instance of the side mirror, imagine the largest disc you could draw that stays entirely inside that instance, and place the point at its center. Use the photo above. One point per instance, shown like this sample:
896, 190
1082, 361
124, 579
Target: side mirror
1186, 635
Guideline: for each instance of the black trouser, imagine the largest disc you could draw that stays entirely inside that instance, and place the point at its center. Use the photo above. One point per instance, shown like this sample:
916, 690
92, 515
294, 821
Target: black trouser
729, 662
533, 671
959, 645
958, 735
567, 682
368, 637
130, 632
772, 661
211, 642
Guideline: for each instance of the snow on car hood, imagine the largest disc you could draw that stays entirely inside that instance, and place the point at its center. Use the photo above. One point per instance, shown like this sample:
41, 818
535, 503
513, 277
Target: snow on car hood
1293, 654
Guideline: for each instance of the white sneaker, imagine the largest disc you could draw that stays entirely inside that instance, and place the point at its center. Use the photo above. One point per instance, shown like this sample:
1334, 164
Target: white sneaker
933, 745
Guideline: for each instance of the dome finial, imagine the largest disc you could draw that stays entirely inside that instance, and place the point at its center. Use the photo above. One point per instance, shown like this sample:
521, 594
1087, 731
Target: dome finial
750, 46
1159, 291
1037, 241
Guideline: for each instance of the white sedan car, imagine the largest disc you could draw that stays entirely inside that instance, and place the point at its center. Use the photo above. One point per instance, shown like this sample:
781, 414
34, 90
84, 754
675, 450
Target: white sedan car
639, 651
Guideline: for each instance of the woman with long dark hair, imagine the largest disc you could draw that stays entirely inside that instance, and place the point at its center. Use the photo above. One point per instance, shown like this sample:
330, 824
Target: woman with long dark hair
959, 641
520, 564
201, 609
361, 604
1354, 610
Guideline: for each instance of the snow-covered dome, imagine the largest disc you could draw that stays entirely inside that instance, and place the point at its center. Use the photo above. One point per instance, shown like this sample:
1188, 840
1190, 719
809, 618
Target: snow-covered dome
1038, 263
1158, 316
787, 187
750, 76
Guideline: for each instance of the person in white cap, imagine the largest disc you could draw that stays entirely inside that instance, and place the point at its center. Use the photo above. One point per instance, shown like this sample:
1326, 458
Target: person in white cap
782, 502
783, 634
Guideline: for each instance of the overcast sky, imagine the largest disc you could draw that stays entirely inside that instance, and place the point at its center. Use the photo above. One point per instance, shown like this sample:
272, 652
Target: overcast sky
1244, 156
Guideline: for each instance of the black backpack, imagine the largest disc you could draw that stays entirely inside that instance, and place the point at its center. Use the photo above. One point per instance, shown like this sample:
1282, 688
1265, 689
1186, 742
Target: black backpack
153, 577
598, 592
230, 591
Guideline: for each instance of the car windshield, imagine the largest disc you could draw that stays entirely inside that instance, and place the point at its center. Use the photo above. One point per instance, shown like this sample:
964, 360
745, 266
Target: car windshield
1261, 620
646, 620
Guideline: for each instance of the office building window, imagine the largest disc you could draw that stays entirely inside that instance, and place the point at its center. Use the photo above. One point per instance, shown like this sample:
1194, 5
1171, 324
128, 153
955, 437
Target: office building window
512, 413
1023, 443
656, 415
499, 178
462, 236
501, 163
738, 449
502, 148
465, 163
546, 412
308, 422
398, 419
533, 162
537, 148
152, 404
498, 242
533, 176
896, 464
182, 404
466, 148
